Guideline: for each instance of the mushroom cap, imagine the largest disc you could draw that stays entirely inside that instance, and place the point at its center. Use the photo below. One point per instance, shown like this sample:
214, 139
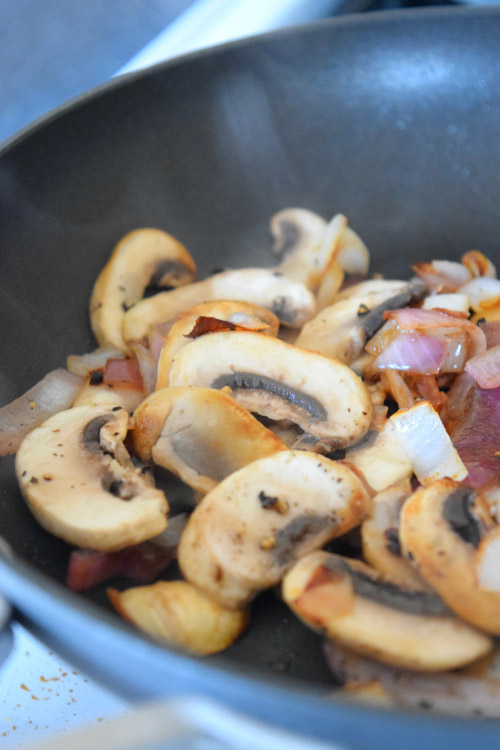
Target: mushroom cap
446, 532
142, 257
176, 612
355, 606
241, 313
280, 381
251, 528
80, 484
289, 300
200, 434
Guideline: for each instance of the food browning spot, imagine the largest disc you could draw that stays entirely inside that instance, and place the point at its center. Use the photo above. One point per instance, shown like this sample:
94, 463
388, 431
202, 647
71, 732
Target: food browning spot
96, 377
268, 542
273, 503
363, 310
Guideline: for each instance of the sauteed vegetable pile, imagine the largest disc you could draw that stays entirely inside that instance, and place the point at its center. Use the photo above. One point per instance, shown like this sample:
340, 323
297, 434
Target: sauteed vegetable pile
341, 435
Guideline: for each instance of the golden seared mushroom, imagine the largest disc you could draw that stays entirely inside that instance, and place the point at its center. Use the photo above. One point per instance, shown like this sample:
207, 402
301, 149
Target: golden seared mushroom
80, 484
447, 532
143, 257
244, 314
380, 538
380, 458
200, 434
178, 613
280, 381
342, 329
249, 530
355, 606
289, 300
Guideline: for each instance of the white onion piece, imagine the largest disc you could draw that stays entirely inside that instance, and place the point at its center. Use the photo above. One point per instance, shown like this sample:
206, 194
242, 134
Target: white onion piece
457, 301
446, 275
485, 368
481, 290
353, 256
148, 365
55, 392
82, 364
412, 352
427, 444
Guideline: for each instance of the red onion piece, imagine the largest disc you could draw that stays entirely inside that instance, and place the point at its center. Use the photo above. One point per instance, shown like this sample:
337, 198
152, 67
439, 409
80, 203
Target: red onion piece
485, 368
475, 429
413, 353
491, 330
416, 318
443, 275
55, 392
142, 563
123, 372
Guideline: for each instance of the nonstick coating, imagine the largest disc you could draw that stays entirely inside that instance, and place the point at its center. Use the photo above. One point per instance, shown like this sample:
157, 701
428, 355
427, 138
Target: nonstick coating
391, 119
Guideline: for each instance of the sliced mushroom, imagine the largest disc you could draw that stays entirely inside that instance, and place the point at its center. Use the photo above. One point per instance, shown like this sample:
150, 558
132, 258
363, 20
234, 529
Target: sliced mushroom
289, 300
280, 381
113, 395
178, 613
380, 538
79, 481
380, 458
308, 243
252, 527
342, 329
447, 533
243, 314
143, 257
200, 434
451, 693
355, 606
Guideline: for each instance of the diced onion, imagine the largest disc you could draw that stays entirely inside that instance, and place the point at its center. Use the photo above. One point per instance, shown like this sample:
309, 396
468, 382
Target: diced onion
413, 353
481, 290
457, 302
485, 368
424, 439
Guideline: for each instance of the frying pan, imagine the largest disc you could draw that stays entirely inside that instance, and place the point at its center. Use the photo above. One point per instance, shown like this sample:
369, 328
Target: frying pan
391, 119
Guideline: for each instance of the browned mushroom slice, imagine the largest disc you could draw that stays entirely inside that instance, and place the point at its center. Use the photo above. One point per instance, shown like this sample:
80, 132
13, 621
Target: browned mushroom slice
200, 434
176, 612
380, 538
245, 314
143, 257
289, 300
447, 532
342, 329
451, 693
280, 381
252, 527
79, 481
355, 606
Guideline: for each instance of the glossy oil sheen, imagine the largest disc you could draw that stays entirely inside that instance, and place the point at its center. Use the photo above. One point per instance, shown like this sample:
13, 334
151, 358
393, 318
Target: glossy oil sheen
391, 119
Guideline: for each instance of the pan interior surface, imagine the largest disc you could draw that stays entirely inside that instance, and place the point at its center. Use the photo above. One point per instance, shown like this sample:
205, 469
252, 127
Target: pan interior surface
390, 118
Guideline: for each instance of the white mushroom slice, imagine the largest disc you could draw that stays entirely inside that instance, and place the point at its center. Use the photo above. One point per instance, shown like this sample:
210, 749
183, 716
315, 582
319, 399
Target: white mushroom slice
80, 484
243, 314
112, 395
355, 606
280, 381
423, 437
380, 538
342, 329
447, 533
315, 245
55, 392
353, 256
380, 458
252, 527
200, 434
176, 612
141, 258
289, 300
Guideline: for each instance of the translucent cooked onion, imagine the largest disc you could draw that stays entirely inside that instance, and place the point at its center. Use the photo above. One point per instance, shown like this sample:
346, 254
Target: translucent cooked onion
414, 353
55, 392
485, 368
442, 275
480, 291
427, 444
